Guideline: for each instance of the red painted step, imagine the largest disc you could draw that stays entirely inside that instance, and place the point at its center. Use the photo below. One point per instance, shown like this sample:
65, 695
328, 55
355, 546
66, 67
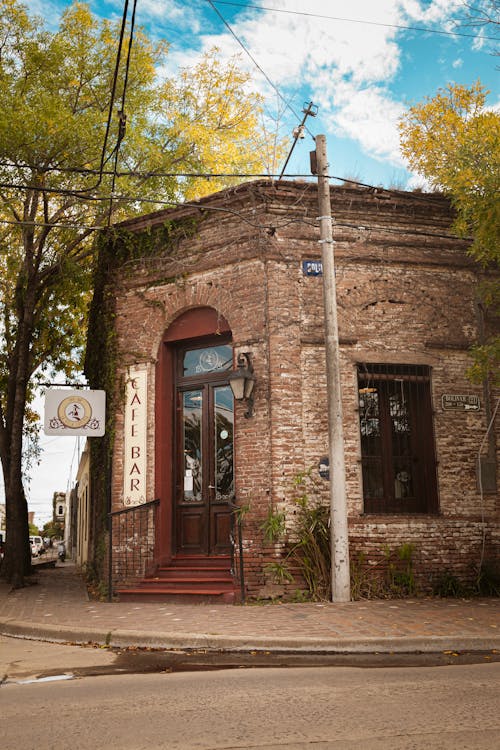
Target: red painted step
187, 579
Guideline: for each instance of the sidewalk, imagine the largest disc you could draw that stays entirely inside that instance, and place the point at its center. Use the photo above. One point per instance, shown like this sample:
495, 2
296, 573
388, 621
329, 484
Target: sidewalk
57, 609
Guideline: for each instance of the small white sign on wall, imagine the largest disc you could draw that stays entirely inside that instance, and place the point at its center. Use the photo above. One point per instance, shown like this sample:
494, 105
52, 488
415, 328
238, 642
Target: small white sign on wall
74, 412
135, 458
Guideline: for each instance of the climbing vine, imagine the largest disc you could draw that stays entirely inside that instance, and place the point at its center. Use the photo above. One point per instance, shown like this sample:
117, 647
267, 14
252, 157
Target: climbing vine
119, 252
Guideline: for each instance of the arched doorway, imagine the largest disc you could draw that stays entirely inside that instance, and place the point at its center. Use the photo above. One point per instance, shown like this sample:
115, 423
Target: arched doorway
194, 437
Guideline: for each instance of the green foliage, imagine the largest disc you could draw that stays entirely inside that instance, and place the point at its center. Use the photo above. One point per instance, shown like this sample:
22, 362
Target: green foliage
311, 550
274, 524
399, 570
365, 582
485, 358
97, 588
53, 529
453, 139
241, 511
279, 572
488, 580
33, 529
389, 578
447, 584
309, 542
58, 190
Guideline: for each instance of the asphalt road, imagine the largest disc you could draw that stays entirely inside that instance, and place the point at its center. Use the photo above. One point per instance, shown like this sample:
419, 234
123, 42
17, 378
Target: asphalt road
22, 660
410, 708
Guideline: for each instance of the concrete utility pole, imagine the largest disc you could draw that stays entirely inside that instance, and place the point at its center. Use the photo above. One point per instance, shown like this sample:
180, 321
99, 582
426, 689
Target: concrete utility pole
341, 589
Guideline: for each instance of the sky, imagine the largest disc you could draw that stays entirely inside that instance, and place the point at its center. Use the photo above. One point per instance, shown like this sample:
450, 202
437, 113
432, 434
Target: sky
362, 63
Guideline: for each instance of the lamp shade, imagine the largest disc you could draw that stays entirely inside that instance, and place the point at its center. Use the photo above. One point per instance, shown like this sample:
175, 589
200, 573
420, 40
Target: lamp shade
237, 381
242, 379
249, 384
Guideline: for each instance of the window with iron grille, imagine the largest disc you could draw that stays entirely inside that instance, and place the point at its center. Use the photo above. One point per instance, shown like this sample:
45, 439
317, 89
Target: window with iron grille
397, 439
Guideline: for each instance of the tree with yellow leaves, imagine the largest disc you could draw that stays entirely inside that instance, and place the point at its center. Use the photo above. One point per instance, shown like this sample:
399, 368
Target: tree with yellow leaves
90, 133
453, 140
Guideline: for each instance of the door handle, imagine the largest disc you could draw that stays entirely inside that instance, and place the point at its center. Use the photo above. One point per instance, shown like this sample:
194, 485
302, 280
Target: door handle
211, 486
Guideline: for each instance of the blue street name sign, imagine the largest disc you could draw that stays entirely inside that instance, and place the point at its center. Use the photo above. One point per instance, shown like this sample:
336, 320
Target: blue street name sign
312, 268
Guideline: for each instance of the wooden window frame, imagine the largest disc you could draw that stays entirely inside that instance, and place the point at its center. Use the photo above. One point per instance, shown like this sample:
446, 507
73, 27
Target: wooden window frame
382, 459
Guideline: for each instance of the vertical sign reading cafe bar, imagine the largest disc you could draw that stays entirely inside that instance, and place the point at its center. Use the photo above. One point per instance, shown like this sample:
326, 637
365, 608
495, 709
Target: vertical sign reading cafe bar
134, 465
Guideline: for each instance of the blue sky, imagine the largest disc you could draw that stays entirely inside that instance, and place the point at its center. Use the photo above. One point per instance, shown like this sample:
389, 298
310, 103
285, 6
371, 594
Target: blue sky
362, 73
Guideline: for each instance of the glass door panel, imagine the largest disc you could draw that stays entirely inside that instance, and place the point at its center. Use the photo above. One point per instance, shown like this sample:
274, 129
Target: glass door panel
223, 440
192, 445
204, 447
210, 359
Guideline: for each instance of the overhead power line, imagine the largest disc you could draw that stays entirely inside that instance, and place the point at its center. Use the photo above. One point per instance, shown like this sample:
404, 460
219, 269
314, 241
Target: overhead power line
122, 115
252, 58
200, 175
404, 27
104, 160
287, 221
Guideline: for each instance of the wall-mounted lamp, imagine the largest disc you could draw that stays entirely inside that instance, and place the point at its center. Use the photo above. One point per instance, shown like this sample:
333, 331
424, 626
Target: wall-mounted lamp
242, 381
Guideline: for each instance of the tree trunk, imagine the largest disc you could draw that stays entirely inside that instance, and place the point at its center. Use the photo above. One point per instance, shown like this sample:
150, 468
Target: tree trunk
17, 561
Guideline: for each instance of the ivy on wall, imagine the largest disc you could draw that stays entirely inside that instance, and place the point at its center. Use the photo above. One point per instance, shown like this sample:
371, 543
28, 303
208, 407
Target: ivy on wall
119, 254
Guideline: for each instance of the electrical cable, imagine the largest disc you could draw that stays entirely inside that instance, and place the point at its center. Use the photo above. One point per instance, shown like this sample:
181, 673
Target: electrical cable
123, 116
269, 227
204, 175
111, 103
356, 20
310, 110
259, 68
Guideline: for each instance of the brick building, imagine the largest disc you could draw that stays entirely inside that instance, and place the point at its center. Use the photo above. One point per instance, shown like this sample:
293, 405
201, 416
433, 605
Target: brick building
183, 293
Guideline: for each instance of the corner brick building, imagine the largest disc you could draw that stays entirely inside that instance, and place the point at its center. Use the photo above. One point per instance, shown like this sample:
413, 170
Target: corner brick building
193, 287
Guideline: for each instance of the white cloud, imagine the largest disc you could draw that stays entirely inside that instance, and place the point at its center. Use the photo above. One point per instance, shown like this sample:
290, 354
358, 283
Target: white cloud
457, 63
166, 12
369, 116
417, 182
433, 12
343, 56
343, 65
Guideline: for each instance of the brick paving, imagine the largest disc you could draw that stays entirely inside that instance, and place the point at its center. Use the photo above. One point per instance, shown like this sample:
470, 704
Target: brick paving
57, 608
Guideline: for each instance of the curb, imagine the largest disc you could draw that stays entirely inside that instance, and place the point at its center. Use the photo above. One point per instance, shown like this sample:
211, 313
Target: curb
217, 643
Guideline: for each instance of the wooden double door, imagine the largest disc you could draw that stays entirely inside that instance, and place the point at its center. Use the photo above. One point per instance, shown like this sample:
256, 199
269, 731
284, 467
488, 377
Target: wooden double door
204, 466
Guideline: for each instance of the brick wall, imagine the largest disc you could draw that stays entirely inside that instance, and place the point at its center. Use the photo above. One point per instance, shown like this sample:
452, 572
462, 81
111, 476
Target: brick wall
406, 291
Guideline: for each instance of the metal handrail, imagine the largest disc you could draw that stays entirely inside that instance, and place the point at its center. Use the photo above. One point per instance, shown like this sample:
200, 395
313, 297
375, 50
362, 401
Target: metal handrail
144, 534
133, 508
237, 523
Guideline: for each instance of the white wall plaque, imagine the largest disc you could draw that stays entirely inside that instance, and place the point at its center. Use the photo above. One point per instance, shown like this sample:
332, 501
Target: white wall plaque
74, 412
135, 458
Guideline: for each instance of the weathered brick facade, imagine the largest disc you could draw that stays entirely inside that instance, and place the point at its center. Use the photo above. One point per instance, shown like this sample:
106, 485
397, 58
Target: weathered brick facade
406, 293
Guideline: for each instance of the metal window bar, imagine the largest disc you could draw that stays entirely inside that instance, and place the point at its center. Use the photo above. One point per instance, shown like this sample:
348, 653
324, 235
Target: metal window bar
132, 543
397, 441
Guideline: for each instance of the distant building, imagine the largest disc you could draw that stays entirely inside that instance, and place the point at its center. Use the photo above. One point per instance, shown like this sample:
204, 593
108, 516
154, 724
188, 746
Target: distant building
83, 509
59, 507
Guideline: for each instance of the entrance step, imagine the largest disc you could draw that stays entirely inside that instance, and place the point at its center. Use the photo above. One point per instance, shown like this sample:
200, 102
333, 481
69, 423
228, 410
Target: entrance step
187, 579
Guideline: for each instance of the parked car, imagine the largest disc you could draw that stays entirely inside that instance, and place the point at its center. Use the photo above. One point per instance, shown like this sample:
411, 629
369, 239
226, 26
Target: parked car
37, 546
